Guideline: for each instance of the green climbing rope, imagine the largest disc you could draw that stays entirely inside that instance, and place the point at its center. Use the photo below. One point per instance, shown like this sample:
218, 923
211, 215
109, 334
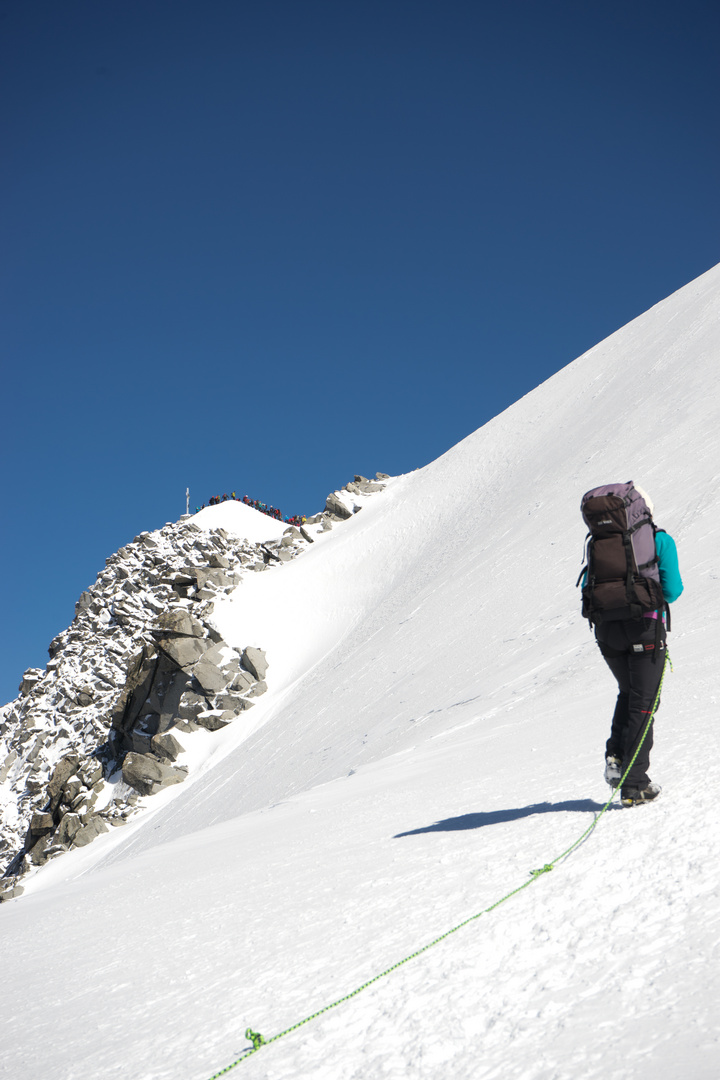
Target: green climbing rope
258, 1041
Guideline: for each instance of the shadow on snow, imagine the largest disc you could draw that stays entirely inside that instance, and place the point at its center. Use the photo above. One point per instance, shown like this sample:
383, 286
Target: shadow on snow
497, 817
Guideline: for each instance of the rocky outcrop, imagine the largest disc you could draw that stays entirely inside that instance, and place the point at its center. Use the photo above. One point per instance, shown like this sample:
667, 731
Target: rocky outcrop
140, 669
343, 504
146, 774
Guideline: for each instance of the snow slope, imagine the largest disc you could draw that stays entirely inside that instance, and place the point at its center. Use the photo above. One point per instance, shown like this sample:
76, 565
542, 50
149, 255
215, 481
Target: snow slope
241, 520
433, 731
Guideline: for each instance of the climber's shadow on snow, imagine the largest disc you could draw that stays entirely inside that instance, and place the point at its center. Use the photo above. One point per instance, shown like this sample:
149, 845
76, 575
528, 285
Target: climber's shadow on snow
497, 817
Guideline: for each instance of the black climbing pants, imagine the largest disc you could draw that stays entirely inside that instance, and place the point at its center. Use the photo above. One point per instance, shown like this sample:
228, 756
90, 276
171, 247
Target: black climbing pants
638, 678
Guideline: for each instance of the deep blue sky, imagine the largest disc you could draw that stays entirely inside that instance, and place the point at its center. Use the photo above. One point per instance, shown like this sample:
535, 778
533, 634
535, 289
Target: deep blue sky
265, 245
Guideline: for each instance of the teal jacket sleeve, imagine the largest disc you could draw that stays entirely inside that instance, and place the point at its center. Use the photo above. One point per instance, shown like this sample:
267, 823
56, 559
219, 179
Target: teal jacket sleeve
670, 578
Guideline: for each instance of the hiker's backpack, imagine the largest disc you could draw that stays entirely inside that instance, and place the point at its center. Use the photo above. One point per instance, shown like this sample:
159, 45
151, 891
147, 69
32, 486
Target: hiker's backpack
623, 579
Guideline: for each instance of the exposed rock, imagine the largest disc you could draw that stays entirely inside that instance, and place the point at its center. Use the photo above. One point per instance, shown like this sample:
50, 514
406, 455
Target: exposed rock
37, 852
83, 603
232, 703
211, 678
148, 775
12, 893
72, 788
91, 772
335, 506
180, 621
69, 827
41, 825
137, 687
191, 705
30, 680
7, 765
184, 651
92, 826
242, 682
140, 742
219, 561
213, 719
166, 746
62, 772
139, 663
253, 660
179, 684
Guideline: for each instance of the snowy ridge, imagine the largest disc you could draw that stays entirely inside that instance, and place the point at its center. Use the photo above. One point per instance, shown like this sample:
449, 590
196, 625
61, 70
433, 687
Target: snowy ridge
434, 732
92, 735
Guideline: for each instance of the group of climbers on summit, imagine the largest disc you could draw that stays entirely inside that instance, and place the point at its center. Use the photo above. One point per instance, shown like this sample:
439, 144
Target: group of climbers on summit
271, 511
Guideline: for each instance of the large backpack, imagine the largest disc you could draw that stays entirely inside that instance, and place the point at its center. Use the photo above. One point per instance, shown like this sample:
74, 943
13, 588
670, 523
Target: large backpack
623, 580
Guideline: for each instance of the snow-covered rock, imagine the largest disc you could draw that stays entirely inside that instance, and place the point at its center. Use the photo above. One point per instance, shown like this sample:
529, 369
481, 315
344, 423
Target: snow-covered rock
142, 657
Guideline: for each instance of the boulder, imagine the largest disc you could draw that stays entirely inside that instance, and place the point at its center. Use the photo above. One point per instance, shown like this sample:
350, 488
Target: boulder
85, 696
41, 825
335, 506
148, 775
11, 893
232, 703
220, 562
83, 603
92, 826
179, 621
213, 671
72, 788
91, 773
191, 705
166, 746
140, 741
213, 719
242, 682
69, 827
31, 677
253, 660
185, 651
62, 772
216, 579
37, 851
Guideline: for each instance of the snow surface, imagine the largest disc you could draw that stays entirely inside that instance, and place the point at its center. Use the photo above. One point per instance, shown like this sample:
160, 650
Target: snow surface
433, 731
240, 520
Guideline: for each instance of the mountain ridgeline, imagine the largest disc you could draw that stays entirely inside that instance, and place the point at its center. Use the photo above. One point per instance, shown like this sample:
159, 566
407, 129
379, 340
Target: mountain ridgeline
140, 668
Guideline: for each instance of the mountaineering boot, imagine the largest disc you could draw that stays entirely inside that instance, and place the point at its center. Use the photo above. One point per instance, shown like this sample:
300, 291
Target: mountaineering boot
613, 771
636, 796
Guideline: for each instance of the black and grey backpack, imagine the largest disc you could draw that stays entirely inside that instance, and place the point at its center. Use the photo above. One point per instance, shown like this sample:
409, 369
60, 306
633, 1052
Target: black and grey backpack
623, 580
